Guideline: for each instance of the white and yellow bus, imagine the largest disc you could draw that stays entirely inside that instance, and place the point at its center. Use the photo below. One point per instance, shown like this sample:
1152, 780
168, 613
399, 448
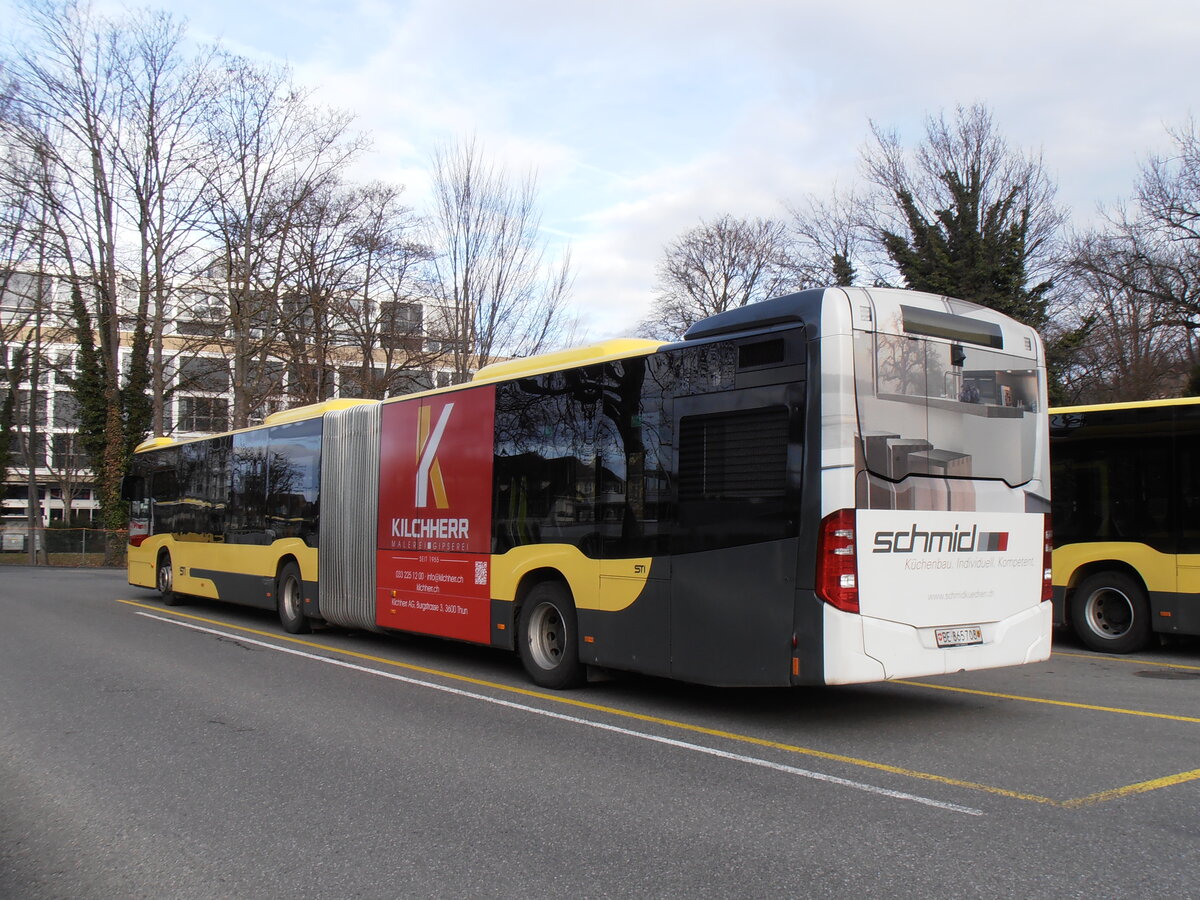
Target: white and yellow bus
1127, 521
840, 485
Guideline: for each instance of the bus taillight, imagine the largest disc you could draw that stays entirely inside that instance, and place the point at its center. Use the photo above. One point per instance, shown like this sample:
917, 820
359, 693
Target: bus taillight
1047, 566
837, 566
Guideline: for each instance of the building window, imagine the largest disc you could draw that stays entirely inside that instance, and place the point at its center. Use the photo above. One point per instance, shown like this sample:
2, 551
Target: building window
202, 373
24, 402
201, 313
21, 291
66, 454
66, 410
206, 414
400, 326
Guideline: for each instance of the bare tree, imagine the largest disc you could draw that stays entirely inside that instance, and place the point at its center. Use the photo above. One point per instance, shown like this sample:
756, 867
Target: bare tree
163, 98
827, 238
1147, 255
384, 317
717, 266
1152, 250
21, 288
496, 293
270, 150
353, 303
320, 255
70, 468
1168, 191
70, 110
964, 214
1129, 352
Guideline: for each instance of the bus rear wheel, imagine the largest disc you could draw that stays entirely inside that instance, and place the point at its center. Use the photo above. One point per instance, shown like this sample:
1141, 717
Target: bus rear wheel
289, 597
548, 637
164, 580
1110, 612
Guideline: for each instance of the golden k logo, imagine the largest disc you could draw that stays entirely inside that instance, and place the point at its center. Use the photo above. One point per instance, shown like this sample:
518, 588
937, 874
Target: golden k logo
428, 471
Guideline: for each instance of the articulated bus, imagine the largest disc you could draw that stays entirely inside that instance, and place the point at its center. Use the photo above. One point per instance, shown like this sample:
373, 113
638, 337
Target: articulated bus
1127, 521
840, 485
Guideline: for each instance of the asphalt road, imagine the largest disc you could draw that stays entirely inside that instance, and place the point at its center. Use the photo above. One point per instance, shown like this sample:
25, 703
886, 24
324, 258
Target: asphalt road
200, 752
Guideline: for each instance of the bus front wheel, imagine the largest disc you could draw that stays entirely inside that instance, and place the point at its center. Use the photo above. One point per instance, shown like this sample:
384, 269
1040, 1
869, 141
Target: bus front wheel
1110, 612
289, 597
164, 580
548, 637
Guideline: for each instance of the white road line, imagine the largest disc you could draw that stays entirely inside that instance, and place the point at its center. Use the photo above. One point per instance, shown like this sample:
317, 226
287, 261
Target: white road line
615, 729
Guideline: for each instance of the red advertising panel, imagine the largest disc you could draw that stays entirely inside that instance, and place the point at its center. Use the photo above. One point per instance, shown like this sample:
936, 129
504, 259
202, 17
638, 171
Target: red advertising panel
435, 515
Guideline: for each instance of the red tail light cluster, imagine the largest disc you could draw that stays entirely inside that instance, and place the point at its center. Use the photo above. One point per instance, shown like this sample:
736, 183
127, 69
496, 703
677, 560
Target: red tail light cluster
136, 540
1047, 567
837, 565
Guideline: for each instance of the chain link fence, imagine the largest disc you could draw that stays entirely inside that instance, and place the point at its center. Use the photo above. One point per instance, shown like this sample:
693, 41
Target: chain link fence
61, 546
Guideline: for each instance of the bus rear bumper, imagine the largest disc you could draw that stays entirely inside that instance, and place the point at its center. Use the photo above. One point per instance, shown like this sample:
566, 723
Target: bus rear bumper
904, 651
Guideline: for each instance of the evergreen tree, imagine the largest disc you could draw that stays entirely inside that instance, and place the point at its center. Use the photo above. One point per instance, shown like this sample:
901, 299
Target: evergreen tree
967, 216
843, 269
971, 250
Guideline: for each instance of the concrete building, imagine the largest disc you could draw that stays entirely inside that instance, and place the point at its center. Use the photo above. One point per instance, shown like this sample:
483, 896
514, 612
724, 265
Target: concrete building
35, 319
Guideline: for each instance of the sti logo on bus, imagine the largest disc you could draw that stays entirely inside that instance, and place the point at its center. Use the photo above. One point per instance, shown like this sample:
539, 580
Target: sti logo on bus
956, 540
428, 471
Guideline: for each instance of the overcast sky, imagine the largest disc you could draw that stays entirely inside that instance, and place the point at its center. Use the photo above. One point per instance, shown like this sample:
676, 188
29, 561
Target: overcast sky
643, 118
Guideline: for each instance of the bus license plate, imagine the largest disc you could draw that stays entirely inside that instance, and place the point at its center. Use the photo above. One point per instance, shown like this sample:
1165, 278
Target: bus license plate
958, 637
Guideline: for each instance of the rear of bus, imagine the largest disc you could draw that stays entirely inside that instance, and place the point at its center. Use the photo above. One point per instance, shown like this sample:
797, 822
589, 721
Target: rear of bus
933, 555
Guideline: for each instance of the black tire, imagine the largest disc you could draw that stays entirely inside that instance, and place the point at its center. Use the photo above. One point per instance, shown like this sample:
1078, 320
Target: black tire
164, 580
289, 599
548, 637
1110, 612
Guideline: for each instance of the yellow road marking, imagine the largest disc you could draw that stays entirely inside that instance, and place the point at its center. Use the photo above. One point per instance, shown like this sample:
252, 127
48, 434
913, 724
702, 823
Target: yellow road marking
1128, 660
1101, 797
1066, 703
1131, 789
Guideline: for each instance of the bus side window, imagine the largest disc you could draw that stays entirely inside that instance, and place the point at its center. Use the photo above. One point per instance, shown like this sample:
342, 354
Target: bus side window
164, 497
543, 477
1187, 455
133, 488
294, 480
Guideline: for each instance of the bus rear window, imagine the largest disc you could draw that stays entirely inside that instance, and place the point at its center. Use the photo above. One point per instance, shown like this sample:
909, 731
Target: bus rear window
931, 407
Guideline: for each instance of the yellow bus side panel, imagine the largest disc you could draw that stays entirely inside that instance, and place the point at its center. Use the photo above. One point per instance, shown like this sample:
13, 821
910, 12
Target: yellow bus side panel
240, 559
1189, 573
140, 563
1156, 569
607, 585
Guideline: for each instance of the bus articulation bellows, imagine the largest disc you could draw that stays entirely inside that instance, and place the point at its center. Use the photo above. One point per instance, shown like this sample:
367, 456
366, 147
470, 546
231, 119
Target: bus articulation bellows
840, 485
